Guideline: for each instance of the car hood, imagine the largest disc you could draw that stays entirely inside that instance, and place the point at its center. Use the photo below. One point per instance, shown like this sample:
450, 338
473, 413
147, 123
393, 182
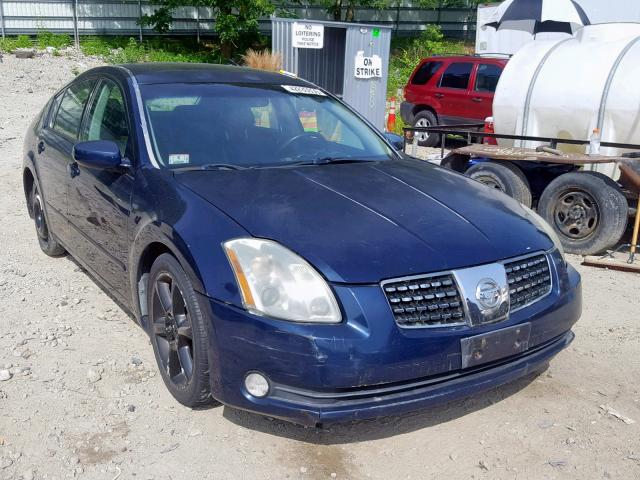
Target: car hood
364, 222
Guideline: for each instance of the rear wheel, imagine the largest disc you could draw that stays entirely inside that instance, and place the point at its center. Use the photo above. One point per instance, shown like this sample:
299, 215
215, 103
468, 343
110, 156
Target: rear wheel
504, 177
46, 239
588, 210
426, 118
178, 333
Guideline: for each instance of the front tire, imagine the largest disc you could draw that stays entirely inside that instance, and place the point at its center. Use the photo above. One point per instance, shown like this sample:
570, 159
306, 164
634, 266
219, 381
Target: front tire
178, 333
47, 241
588, 210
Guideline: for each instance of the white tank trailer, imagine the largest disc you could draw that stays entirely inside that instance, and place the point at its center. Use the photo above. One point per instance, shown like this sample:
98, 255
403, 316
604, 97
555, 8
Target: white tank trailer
566, 88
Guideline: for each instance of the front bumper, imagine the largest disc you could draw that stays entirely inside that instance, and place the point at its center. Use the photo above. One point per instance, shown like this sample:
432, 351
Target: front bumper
367, 366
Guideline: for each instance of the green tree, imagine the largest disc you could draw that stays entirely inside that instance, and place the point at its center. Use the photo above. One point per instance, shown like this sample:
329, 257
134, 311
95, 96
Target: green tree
236, 22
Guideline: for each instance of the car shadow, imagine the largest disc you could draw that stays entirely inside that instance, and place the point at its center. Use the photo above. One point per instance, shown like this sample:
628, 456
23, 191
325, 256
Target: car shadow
384, 427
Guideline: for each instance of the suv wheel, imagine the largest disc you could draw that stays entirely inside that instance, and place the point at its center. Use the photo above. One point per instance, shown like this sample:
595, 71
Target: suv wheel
425, 118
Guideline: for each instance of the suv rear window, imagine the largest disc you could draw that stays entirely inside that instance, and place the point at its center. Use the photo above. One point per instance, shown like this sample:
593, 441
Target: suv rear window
487, 78
457, 75
425, 73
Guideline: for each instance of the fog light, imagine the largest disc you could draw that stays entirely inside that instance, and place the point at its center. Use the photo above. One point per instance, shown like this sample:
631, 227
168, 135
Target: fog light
256, 384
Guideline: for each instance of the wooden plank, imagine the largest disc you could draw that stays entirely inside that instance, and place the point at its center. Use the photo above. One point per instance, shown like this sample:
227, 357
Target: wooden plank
613, 264
496, 152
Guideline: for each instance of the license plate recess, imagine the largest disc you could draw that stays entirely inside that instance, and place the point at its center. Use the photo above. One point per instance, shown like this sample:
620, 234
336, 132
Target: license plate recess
495, 345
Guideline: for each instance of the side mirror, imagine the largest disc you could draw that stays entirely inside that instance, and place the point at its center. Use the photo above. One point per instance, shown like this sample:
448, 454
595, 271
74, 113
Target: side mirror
395, 140
102, 154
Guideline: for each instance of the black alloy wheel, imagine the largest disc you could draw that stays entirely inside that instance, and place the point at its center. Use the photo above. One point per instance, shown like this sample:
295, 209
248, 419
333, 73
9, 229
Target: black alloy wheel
48, 243
172, 330
179, 333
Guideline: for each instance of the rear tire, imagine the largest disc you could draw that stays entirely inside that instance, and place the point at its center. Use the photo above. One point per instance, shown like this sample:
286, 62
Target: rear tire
426, 118
48, 243
502, 176
587, 210
178, 333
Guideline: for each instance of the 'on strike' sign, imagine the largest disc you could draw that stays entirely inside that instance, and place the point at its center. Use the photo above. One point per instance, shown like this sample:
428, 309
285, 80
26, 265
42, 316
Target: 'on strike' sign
307, 35
367, 67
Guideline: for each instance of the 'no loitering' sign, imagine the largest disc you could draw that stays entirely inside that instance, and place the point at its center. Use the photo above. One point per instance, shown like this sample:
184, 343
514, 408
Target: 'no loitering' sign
307, 35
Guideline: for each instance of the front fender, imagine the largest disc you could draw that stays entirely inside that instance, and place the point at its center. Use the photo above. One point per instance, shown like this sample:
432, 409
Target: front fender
167, 216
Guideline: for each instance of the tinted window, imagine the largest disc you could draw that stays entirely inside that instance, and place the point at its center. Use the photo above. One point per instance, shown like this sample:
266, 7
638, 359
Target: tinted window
456, 75
69, 114
425, 73
107, 118
487, 78
254, 126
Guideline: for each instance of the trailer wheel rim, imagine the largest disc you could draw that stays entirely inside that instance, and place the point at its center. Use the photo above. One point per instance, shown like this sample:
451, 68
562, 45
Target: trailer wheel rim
490, 182
576, 214
422, 136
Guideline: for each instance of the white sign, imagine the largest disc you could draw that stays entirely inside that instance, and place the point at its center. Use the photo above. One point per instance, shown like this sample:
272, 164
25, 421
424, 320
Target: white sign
367, 67
307, 35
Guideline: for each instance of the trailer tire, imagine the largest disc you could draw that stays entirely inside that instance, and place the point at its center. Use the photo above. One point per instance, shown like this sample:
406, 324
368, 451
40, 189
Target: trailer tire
426, 118
587, 209
502, 176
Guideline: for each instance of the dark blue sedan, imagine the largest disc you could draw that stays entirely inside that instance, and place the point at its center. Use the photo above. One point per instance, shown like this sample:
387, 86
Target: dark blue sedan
281, 255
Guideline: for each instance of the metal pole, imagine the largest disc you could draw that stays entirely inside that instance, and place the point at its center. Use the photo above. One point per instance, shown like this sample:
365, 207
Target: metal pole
198, 24
140, 20
2, 18
398, 17
75, 24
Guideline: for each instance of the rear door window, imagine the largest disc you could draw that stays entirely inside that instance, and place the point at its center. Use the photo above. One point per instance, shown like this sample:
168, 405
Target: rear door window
425, 73
457, 75
487, 78
69, 115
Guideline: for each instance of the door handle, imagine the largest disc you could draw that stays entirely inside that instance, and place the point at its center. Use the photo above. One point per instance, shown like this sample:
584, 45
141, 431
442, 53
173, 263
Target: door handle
438, 95
73, 169
476, 99
41, 146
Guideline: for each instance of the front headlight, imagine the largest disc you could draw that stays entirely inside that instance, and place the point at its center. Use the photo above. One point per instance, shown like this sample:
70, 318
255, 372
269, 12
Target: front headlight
276, 282
542, 224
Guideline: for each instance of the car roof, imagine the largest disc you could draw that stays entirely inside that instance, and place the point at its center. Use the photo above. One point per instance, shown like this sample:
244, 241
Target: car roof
146, 73
470, 58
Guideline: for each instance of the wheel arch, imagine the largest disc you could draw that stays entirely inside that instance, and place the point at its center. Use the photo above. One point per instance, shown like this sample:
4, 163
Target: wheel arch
28, 182
421, 107
150, 244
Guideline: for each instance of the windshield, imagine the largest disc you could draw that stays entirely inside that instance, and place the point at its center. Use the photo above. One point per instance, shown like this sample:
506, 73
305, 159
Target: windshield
238, 125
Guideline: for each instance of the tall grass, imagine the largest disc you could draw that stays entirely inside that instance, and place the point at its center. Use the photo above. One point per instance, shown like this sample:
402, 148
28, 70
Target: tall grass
262, 60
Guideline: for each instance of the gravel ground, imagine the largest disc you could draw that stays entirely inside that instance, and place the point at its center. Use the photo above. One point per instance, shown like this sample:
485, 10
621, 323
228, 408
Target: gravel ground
80, 398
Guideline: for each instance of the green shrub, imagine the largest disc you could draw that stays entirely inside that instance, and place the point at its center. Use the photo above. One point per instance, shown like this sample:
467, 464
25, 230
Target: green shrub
23, 41
155, 49
46, 39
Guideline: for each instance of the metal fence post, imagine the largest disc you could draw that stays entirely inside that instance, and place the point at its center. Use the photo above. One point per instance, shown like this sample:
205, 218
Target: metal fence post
198, 24
2, 18
140, 20
76, 37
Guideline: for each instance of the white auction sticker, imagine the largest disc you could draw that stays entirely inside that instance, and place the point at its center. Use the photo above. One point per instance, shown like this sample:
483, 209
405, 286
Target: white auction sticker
307, 35
304, 90
178, 158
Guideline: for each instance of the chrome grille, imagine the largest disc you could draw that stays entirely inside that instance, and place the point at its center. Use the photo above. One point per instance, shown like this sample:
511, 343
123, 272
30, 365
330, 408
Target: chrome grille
529, 280
427, 301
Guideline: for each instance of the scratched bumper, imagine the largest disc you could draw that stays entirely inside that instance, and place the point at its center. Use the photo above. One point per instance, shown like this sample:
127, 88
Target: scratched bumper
367, 366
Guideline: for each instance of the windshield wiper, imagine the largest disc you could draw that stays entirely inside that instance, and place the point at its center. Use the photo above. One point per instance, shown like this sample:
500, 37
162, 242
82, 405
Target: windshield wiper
330, 160
209, 166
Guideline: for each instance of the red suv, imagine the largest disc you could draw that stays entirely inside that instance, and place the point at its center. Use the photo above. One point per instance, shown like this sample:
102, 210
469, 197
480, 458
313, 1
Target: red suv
449, 91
